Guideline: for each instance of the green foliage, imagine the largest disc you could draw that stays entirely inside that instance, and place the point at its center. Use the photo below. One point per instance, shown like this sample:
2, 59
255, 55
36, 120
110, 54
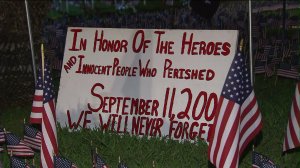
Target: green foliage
151, 6
103, 8
54, 15
274, 103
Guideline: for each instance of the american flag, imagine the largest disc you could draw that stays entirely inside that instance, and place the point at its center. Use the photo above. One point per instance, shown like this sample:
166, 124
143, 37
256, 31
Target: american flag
288, 71
98, 162
60, 162
53, 41
265, 54
37, 105
57, 63
51, 53
269, 69
17, 163
261, 161
238, 119
292, 137
122, 165
2, 136
260, 67
49, 138
59, 33
17, 147
271, 66
32, 137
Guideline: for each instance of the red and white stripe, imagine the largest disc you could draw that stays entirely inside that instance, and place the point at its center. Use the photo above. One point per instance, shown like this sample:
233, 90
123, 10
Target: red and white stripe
37, 107
2, 136
235, 126
35, 142
49, 137
20, 150
288, 73
57, 64
250, 122
292, 137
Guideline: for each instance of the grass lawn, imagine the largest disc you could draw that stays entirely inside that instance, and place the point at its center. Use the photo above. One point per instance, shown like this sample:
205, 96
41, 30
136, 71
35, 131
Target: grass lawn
274, 102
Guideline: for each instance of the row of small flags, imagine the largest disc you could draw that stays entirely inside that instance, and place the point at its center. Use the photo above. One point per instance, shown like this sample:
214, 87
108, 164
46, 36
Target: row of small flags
18, 149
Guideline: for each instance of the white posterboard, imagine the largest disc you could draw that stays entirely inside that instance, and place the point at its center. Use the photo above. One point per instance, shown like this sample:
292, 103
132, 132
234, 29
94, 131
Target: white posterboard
147, 82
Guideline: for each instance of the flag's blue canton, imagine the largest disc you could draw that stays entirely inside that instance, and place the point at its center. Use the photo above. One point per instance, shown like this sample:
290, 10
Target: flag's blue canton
122, 165
16, 163
60, 162
39, 82
30, 131
262, 161
268, 165
99, 161
12, 139
48, 85
237, 86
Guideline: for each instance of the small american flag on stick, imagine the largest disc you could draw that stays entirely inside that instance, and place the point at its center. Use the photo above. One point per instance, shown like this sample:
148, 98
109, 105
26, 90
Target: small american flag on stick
237, 120
60, 162
32, 137
17, 163
49, 143
17, 147
98, 162
261, 161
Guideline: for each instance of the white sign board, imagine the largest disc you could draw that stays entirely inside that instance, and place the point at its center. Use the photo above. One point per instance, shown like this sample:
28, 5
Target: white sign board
147, 82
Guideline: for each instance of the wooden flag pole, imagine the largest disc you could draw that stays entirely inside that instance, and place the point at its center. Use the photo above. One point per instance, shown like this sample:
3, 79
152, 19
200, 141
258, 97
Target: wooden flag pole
250, 43
30, 40
241, 44
43, 60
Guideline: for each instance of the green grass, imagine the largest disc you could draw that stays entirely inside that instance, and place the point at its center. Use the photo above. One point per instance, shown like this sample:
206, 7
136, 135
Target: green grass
274, 102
